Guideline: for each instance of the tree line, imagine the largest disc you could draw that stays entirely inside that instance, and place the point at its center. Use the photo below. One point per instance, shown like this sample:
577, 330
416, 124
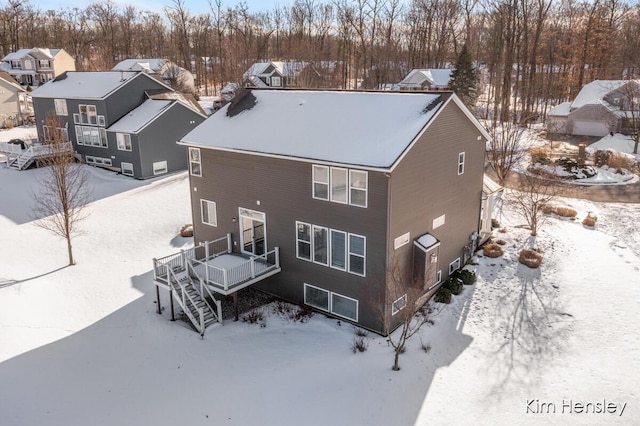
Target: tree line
531, 54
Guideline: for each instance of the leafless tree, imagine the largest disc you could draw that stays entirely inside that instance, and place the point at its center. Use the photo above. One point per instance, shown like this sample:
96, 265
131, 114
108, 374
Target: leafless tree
63, 191
532, 196
505, 148
402, 309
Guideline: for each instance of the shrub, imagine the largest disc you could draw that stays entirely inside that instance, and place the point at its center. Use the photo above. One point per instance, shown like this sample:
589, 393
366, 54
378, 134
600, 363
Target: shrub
301, 314
255, 316
620, 161
501, 242
601, 158
360, 332
590, 220
492, 250
454, 285
443, 295
540, 155
530, 258
495, 223
560, 211
426, 347
468, 277
186, 230
359, 344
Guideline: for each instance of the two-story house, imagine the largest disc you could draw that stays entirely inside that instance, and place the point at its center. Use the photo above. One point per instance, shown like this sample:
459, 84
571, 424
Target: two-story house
601, 107
281, 74
13, 101
173, 75
426, 79
114, 121
33, 67
342, 187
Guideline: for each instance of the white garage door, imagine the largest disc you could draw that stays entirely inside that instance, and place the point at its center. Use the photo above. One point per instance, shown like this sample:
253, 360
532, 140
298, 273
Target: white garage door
590, 128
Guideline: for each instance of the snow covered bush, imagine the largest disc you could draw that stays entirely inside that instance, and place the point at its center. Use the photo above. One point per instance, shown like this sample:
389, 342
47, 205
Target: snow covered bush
560, 211
443, 295
359, 344
530, 258
492, 250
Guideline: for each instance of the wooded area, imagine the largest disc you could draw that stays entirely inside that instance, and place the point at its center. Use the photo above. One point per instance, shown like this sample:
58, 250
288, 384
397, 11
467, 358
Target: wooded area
535, 53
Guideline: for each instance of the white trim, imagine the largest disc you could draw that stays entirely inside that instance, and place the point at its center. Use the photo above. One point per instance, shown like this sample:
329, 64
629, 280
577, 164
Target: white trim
438, 280
461, 159
365, 189
314, 181
126, 137
199, 162
60, 106
438, 221
310, 242
328, 308
394, 308
345, 252
363, 256
313, 244
208, 205
346, 185
348, 298
452, 268
101, 161
162, 169
122, 168
254, 215
401, 240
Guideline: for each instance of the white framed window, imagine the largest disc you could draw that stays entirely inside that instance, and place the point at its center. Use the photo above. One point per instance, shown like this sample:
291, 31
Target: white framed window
127, 168
76, 118
438, 222
339, 185
208, 212
195, 165
338, 250
454, 266
357, 254
461, 163
101, 121
344, 306
103, 138
276, 81
320, 245
88, 114
358, 188
61, 106
321, 182
399, 304
401, 240
316, 297
79, 135
159, 167
303, 241
98, 160
124, 141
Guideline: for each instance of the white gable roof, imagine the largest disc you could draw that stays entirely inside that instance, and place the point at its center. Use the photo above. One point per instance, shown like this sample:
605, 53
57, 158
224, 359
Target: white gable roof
86, 84
16, 56
357, 128
438, 77
596, 90
561, 110
138, 118
154, 65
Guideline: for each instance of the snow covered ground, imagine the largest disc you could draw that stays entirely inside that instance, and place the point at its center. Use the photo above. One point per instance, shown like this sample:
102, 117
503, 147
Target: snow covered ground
84, 345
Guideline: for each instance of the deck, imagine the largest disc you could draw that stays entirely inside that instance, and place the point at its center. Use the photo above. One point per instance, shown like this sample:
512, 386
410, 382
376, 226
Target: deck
219, 268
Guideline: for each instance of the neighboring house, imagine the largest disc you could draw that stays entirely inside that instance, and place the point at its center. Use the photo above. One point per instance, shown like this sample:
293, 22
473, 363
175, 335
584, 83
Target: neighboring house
279, 74
118, 120
33, 67
13, 101
328, 191
177, 77
601, 107
426, 79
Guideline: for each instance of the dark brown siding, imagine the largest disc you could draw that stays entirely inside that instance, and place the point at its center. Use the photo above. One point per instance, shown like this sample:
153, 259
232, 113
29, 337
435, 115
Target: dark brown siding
282, 189
426, 185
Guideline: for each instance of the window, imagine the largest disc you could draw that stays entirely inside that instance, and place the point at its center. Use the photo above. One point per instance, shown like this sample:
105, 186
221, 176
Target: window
159, 167
101, 121
303, 238
321, 182
344, 306
61, 106
399, 304
320, 245
103, 138
124, 141
79, 135
461, 163
316, 297
194, 162
438, 222
76, 118
338, 249
44, 63
93, 136
88, 114
356, 254
127, 168
454, 266
98, 160
338, 185
276, 81
358, 188
208, 211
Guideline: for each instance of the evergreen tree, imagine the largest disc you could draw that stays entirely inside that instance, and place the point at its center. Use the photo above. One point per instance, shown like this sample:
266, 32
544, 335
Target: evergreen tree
464, 78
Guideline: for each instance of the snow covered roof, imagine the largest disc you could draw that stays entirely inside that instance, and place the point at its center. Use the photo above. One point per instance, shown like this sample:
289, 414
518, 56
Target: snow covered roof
17, 55
438, 77
154, 65
490, 186
138, 118
369, 129
36, 52
85, 84
427, 241
596, 90
560, 110
10, 80
286, 68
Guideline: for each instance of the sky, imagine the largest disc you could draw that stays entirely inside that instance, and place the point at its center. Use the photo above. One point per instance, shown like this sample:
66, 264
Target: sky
194, 6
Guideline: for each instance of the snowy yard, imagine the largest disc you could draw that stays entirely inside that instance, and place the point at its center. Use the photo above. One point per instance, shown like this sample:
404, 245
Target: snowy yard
84, 344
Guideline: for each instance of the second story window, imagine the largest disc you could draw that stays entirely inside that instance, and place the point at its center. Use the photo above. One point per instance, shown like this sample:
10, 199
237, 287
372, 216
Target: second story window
88, 114
61, 106
461, 163
321, 182
195, 166
340, 185
124, 141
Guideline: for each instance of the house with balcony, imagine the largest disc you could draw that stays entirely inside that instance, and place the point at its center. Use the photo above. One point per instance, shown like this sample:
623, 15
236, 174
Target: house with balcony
118, 120
33, 67
320, 195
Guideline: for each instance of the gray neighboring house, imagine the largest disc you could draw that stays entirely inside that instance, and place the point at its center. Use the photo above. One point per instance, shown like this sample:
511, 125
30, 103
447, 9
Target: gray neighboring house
601, 107
426, 79
281, 74
173, 75
322, 193
112, 120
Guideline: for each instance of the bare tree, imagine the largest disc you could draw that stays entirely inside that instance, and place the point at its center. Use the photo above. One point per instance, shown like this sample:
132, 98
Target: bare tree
63, 192
505, 148
402, 309
532, 196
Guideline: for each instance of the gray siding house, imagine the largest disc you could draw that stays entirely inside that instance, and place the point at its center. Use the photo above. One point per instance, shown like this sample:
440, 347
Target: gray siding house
112, 121
344, 186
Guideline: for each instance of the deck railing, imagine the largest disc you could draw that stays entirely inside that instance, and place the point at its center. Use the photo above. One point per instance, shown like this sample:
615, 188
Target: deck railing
10, 148
203, 252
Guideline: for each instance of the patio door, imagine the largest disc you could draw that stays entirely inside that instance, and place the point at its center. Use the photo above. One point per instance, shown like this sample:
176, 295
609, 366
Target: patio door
253, 235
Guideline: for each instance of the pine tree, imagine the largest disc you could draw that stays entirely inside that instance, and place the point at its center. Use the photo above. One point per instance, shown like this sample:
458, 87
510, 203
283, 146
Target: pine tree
464, 78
